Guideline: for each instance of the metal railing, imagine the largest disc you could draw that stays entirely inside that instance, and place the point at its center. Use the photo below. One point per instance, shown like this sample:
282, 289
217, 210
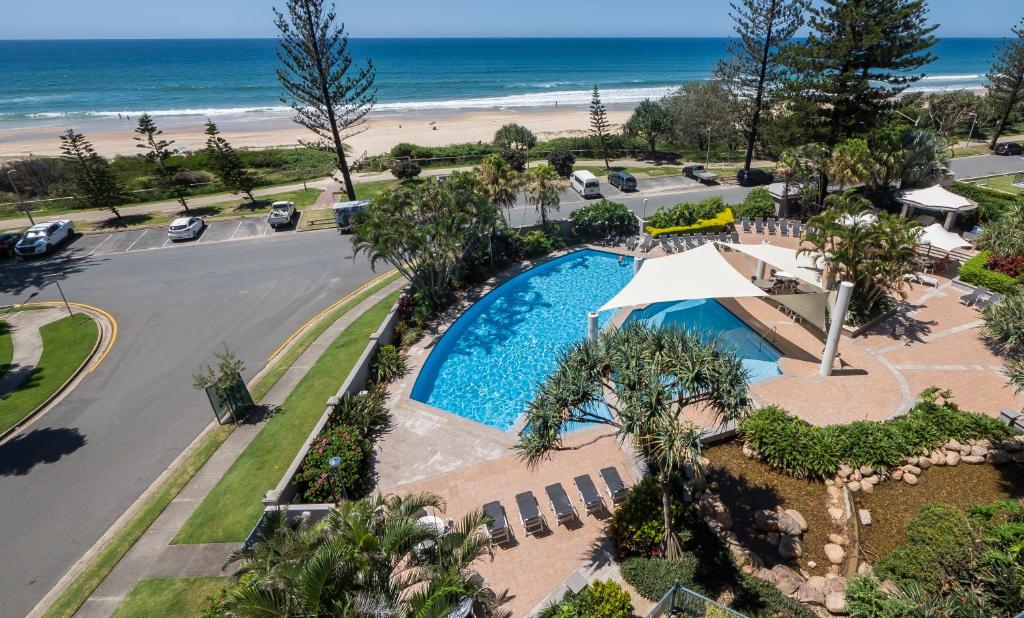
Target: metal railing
681, 601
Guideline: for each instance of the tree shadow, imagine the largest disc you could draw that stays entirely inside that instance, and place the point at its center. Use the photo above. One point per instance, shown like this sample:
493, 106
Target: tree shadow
39, 446
19, 277
122, 222
744, 497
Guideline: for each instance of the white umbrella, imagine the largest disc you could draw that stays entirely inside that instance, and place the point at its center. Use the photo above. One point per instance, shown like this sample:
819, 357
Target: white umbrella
937, 236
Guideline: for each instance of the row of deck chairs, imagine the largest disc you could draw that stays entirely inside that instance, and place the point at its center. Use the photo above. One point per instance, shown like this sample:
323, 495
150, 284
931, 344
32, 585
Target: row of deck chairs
563, 509
981, 298
675, 243
773, 227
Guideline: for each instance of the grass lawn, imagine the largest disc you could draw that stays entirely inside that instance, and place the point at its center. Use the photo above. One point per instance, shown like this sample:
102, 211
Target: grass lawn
6, 349
662, 170
323, 218
1002, 183
66, 344
230, 511
170, 596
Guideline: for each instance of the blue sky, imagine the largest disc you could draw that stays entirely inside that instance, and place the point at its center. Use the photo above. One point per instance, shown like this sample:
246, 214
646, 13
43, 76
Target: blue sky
252, 18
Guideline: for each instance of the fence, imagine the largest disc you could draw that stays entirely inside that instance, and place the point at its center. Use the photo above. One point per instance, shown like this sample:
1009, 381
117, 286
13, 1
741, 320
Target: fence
680, 601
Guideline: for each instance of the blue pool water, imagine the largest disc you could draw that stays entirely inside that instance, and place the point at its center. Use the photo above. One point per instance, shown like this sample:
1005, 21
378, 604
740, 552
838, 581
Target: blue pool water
713, 320
488, 365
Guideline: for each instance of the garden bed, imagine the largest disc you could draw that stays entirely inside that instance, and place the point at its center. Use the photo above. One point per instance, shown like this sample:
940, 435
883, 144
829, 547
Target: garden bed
893, 503
747, 485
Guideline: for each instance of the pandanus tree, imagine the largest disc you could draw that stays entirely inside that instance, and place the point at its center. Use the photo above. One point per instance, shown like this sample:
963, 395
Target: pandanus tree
649, 377
542, 186
366, 558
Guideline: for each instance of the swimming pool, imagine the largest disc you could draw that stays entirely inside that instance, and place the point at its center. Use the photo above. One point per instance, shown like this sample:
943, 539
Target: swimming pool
487, 366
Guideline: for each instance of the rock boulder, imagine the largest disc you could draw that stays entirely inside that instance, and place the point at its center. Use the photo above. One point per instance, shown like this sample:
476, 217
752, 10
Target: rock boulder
790, 548
835, 553
835, 603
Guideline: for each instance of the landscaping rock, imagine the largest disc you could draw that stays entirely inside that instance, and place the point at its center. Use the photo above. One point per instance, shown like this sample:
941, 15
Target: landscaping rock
773, 537
864, 567
867, 487
785, 578
997, 458
835, 491
890, 587
853, 486
836, 513
1011, 446
789, 525
912, 469
795, 514
938, 458
810, 594
953, 445
978, 449
837, 539
766, 520
748, 452
835, 553
973, 459
835, 603
836, 583
812, 564
897, 474
910, 479
845, 470
924, 463
865, 516
790, 547
856, 476
866, 470
952, 458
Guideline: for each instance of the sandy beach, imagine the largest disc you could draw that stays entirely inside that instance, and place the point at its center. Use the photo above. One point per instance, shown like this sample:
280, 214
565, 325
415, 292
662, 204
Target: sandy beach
114, 137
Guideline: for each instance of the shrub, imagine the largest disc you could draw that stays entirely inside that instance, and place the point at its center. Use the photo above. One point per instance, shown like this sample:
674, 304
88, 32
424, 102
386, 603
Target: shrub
991, 203
975, 272
938, 549
602, 218
187, 178
636, 528
516, 159
758, 598
389, 365
562, 161
366, 411
758, 203
652, 577
352, 478
866, 599
687, 213
1004, 324
1009, 265
719, 223
537, 243
599, 599
405, 169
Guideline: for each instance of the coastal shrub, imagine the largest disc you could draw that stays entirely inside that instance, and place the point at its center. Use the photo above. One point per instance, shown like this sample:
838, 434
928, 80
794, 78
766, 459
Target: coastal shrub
687, 213
405, 169
537, 243
865, 598
637, 528
352, 479
514, 136
1004, 324
938, 549
389, 365
758, 598
652, 577
562, 161
602, 218
516, 159
758, 203
991, 203
975, 271
366, 411
599, 599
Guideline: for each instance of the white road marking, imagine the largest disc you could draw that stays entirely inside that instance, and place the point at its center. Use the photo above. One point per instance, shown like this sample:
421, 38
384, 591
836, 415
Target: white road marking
240, 222
102, 242
136, 240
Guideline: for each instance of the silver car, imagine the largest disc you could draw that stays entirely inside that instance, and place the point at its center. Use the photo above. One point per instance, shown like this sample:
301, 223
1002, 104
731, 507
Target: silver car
281, 214
185, 228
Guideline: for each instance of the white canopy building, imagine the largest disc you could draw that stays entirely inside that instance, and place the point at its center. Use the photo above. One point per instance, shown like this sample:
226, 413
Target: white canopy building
935, 199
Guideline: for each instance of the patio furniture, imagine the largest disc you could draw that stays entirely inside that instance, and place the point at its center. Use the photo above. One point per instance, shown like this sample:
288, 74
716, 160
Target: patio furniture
561, 506
765, 284
666, 246
784, 227
589, 496
759, 226
723, 237
771, 226
970, 299
613, 484
691, 241
497, 528
632, 242
434, 524
735, 237
746, 224
797, 228
680, 243
985, 301
529, 513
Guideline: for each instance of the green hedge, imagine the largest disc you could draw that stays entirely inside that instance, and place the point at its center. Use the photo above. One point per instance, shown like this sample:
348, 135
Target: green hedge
599, 599
758, 203
803, 450
991, 203
652, 577
974, 272
602, 217
719, 223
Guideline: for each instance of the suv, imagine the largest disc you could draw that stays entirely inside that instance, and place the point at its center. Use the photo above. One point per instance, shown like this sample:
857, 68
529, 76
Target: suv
41, 238
281, 214
1009, 149
623, 181
700, 174
753, 177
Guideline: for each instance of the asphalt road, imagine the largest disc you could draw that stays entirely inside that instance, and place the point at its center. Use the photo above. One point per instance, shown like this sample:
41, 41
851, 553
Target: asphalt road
986, 165
71, 474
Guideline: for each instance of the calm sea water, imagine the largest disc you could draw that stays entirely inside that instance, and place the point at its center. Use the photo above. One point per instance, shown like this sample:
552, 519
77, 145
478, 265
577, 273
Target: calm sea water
42, 80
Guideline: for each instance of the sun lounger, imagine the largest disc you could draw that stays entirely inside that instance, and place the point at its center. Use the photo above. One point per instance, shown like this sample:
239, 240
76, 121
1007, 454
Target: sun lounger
679, 243
797, 228
771, 226
970, 299
529, 513
561, 506
631, 243
986, 301
735, 238
497, 528
723, 237
784, 227
666, 245
613, 484
589, 496
759, 226
691, 241
746, 224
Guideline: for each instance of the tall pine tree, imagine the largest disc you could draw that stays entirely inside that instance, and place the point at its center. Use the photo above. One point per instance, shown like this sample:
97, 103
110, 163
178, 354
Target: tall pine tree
157, 153
329, 96
95, 182
1006, 79
599, 126
857, 58
752, 69
228, 164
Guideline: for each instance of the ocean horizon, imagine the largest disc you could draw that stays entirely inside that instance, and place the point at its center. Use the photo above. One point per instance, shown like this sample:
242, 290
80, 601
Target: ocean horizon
50, 81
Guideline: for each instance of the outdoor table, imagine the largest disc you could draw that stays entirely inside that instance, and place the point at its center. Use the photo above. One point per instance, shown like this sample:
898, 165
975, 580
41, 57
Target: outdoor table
782, 275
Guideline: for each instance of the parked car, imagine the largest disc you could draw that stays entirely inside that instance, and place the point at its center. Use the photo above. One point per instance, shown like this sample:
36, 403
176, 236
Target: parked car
1009, 149
42, 238
700, 174
281, 214
7, 242
346, 213
623, 181
754, 177
585, 183
185, 228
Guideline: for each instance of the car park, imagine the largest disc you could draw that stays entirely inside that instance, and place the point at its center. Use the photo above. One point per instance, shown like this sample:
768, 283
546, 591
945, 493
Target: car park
43, 238
754, 177
623, 181
185, 228
700, 174
1009, 149
7, 242
281, 214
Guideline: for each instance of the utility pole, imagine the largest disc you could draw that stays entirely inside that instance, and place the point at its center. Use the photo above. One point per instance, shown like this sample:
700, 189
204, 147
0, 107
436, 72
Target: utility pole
17, 193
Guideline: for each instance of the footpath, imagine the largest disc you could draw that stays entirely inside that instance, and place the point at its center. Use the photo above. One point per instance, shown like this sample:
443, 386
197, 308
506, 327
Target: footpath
154, 555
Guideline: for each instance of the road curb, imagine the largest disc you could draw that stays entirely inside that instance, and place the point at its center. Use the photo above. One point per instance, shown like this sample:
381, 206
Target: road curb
102, 319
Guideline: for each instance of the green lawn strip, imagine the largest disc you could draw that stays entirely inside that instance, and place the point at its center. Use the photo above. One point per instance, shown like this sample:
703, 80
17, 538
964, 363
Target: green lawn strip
6, 348
324, 217
97, 570
231, 509
1001, 183
170, 596
66, 344
267, 381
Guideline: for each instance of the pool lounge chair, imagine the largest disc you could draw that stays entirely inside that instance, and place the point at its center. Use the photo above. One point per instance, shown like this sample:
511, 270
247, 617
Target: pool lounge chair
613, 484
632, 242
985, 301
970, 299
666, 245
771, 226
589, 496
797, 228
746, 224
498, 529
561, 506
759, 226
680, 243
784, 227
529, 513
735, 238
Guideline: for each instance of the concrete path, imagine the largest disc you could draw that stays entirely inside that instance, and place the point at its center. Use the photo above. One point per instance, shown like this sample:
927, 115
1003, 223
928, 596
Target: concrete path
27, 343
153, 555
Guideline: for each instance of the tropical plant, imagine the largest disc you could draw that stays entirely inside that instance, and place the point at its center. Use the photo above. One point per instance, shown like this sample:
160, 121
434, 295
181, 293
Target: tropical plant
230, 170
599, 126
501, 183
602, 218
514, 136
96, 183
405, 169
515, 158
563, 162
542, 186
924, 159
390, 364
599, 599
851, 163
758, 203
158, 152
1005, 79
650, 121
655, 374
329, 96
1004, 236
224, 376
361, 560
687, 213
872, 253
426, 231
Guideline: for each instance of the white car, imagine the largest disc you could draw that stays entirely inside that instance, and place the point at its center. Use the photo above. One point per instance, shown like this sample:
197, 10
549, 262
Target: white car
42, 238
185, 228
281, 213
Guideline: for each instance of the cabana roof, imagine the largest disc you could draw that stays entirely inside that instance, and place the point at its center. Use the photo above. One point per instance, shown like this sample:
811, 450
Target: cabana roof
936, 198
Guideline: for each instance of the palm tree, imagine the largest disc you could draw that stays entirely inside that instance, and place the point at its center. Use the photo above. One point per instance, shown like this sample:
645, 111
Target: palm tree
653, 374
851, 163
362, 559
787, 168
501, 183
542, 186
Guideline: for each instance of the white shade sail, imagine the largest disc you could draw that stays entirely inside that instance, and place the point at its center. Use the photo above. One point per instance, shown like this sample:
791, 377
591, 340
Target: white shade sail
691, 275
935, 198
938, 237
801, 266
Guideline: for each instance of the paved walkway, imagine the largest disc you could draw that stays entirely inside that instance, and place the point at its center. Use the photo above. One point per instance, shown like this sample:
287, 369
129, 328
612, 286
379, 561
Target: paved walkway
27, 344
153, 555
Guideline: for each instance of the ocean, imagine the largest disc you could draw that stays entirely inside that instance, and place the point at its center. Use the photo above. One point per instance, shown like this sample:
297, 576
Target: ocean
45, 82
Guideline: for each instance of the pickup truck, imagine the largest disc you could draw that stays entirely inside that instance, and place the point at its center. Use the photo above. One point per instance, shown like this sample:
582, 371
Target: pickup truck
700, 174
281, 213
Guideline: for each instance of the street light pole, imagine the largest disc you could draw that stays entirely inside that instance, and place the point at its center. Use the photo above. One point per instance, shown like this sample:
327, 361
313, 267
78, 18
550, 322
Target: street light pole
64, 298
21, 202
707, 159
970, 135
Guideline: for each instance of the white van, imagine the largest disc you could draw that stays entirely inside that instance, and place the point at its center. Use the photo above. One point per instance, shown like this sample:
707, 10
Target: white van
585, 183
